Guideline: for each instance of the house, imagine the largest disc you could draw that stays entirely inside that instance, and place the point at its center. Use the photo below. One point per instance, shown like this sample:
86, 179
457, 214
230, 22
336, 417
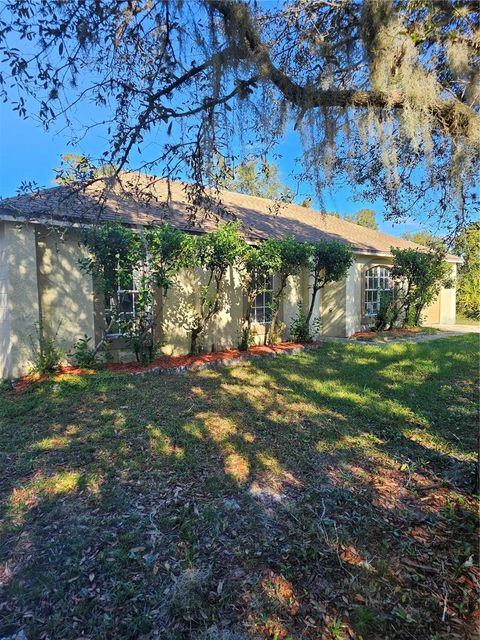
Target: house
40, 277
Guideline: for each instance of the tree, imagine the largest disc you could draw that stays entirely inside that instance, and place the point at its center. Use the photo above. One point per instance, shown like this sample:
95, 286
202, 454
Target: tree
293, 256
424, 238
257, 179
78, 168
118, 256
468, 288
418, 277
166, 248
116, 253
214, 253
363, 217
329, 262
257, 265
383, 93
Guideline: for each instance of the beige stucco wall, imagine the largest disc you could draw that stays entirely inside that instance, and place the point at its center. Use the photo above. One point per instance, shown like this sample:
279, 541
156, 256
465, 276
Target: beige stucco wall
19, 309
66, 292
225, 328
40, 277
333, 309
448, 301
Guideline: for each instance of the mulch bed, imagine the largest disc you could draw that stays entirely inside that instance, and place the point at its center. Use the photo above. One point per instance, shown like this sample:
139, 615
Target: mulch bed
171, 363
195, 362
33, 378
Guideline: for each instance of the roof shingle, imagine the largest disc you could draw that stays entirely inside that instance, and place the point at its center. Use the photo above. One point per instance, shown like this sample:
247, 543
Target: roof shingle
143, 200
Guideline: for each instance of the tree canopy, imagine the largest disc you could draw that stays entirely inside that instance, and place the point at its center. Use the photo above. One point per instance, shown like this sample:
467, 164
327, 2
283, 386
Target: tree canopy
363, 217
384, 93
261, 179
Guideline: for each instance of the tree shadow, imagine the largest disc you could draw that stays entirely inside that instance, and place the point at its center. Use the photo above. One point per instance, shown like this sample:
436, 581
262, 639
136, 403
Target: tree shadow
264, 499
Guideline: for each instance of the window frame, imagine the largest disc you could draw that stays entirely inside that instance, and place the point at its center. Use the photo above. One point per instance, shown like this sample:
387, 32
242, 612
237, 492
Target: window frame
265, 306
370, 294
133, 292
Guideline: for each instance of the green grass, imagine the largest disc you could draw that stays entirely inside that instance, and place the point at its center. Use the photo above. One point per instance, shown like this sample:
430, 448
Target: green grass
326, 494
461, 319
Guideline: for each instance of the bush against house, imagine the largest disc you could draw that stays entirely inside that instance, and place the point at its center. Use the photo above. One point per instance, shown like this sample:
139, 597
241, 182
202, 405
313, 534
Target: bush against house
293, 257
418, 277
128, 264
258, 265
328, 261
214, 253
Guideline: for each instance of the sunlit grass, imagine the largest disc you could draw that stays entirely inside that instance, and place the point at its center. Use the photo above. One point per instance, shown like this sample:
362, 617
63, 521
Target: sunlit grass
292, 489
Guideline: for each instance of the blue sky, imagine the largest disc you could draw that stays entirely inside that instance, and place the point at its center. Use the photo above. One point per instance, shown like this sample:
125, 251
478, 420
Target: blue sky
28, 153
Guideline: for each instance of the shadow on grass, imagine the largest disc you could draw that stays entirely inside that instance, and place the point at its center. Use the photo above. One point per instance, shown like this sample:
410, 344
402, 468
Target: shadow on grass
325, 493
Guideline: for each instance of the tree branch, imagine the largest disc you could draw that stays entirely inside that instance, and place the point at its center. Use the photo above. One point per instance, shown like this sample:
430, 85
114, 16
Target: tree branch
452, 116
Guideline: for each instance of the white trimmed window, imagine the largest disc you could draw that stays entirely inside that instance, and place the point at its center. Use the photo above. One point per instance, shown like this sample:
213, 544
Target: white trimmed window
377, 279
126, 298
262, 305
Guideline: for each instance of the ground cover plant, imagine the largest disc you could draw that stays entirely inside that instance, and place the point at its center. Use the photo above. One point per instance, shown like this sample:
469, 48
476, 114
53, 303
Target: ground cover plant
322, 495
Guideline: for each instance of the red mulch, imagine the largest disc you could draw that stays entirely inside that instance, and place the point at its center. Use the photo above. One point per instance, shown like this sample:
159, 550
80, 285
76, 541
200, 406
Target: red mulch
170, 362
164, 362
34, 378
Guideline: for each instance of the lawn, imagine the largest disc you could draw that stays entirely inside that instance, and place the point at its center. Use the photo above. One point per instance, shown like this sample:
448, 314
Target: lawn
321, 495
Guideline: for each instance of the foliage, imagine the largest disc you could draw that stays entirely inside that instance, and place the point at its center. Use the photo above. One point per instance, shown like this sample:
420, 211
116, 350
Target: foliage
46, 354
120, 257
166, 248
257, 265
83, 354
424, 238
118, 261
419, 277
363, 217
78, 168
329, 262
260, 179
468, 283
115, 251
293, 256
214, 253
301, 329
382, 93
388, 310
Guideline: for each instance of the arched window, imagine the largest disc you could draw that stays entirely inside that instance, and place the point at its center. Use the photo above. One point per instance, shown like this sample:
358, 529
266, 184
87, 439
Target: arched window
376, 279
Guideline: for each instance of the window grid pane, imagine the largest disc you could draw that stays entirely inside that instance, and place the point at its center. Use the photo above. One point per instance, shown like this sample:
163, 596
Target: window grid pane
377, 279
126, 300
261, 308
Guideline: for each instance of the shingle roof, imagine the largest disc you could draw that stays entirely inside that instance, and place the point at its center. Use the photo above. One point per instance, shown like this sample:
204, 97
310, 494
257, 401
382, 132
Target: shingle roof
142, 200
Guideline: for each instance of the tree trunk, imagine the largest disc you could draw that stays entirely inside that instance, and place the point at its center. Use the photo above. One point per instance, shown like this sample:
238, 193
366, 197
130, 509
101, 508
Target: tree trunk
247, 326
315, 290
196, 332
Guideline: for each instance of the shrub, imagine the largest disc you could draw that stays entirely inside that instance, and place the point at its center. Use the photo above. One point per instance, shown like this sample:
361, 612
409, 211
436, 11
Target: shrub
301, 330
257, 265
214, 253
329, 262
419, 276
83, 355
388, 312
46, 353
293, 257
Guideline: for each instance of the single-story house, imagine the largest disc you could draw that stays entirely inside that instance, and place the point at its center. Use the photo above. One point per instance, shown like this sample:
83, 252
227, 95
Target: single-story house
41, 280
